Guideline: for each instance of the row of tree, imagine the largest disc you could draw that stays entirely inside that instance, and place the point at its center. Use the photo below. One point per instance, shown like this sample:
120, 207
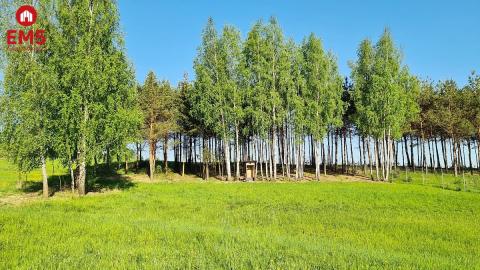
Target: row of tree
264, 98
273, 101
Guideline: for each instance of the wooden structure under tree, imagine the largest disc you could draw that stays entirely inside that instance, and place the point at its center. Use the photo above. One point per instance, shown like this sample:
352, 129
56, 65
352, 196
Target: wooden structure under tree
250, 171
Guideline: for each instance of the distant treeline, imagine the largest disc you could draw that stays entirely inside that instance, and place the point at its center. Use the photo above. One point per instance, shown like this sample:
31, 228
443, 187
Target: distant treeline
264, 98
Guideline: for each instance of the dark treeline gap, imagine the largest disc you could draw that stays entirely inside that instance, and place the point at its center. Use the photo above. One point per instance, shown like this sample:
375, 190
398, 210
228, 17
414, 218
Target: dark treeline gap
264, 99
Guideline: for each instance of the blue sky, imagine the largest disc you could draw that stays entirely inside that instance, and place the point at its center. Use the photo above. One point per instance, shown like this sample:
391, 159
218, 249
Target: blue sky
439, 39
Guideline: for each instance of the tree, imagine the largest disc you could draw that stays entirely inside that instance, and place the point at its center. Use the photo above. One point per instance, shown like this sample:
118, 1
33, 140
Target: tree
257, 119
473, 92
158, 104
324, 105
29, 103
384, 95
233, 87
452, 118
97, 83
219, 82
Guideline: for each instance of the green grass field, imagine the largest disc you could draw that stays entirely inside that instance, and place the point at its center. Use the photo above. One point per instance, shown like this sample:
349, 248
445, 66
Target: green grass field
216, 225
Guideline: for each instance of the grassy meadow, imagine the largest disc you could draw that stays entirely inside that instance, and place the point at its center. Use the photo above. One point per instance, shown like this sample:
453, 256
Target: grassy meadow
186, 223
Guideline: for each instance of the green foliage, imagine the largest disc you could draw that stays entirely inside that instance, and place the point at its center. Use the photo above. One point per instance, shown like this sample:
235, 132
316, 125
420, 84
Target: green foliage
384, 92
29, 102
220, 81
74, 98
158, 103
324, 106
450, 116
97, 81
472, 94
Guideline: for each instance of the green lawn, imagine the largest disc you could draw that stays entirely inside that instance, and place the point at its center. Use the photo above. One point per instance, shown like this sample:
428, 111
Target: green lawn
211, 225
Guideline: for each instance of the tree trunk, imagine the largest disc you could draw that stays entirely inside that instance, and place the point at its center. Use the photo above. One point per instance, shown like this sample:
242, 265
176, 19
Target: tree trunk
226, 149
342, 149
324, 159
72, 177
237, 153
361, 154
152, 158
369, 158
165, 154
377, 158
351, 153
336, 151
281, 152
82, 167
317, 159
384, 155
274, 143
436, 152
287, 152
297, 161
260, 156
328, 159
205, 163
455, 157
44, 177
137, 155
406, 150
444, 152
388, 156
478, 150
470, 156
412, 160
126, 163
82, 148
432, 157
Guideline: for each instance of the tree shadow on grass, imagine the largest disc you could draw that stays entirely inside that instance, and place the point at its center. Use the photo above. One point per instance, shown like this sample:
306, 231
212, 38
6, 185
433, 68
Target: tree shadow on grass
100, 178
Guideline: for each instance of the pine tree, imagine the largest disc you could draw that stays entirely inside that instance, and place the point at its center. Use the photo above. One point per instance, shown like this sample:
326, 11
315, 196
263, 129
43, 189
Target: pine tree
158, 103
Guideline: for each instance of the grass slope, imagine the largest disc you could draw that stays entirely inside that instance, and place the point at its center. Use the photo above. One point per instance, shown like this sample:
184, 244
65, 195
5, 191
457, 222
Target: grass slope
211, 225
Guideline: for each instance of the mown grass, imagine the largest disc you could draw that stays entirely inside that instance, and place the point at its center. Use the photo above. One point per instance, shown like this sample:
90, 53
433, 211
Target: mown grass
217, 225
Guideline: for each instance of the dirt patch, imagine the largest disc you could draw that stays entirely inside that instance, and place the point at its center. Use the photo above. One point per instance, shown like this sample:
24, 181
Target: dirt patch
18, 199
26, 198
162, 178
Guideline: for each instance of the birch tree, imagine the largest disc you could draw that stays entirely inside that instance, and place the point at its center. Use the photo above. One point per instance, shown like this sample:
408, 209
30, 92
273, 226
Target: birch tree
324, 104
29, 102
97, 82
383, 92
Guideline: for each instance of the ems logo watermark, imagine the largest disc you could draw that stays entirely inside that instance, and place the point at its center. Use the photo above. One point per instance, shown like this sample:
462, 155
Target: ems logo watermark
26, 39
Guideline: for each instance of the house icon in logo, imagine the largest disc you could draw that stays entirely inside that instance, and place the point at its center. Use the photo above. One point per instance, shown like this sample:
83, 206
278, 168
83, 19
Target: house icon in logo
26, 16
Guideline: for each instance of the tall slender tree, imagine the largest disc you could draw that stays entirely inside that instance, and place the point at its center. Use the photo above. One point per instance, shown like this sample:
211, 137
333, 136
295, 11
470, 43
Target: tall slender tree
324, 104
384, 91
96, 80
29, 102
158, 103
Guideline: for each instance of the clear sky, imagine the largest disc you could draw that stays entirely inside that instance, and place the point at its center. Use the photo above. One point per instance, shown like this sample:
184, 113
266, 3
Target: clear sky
439, 39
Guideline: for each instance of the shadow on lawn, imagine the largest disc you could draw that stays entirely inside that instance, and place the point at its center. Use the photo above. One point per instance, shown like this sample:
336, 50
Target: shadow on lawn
99, 179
